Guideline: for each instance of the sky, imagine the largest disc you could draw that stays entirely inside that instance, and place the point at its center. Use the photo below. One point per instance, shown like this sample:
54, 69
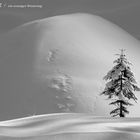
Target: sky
124, 13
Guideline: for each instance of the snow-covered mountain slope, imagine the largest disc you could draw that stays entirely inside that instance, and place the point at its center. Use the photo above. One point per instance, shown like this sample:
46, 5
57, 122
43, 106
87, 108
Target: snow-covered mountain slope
66, 126
57, 64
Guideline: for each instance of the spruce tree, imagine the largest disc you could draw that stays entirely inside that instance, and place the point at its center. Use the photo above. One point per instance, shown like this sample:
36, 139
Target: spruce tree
120, 86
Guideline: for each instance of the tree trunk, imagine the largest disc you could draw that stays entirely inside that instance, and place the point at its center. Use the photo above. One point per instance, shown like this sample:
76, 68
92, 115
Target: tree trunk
121, 111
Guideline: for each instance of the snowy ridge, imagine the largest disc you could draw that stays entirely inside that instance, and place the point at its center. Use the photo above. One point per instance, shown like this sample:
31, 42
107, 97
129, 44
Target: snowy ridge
64, 123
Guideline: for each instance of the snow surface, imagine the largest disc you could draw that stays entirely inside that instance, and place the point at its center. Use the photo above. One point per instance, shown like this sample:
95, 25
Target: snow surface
66, 126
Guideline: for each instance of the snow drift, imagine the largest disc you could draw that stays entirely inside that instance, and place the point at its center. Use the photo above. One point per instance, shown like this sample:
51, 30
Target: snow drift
66, 126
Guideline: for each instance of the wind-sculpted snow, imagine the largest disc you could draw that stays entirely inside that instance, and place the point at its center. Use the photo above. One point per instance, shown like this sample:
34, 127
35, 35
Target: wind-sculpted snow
65, 126
52, 55
63, 84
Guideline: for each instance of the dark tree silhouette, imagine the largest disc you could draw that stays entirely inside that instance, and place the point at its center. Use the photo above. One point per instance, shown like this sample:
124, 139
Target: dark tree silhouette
121, 86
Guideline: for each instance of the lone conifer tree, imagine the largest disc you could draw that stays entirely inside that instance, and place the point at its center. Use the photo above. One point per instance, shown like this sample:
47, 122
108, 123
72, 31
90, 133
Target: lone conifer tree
121, 85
